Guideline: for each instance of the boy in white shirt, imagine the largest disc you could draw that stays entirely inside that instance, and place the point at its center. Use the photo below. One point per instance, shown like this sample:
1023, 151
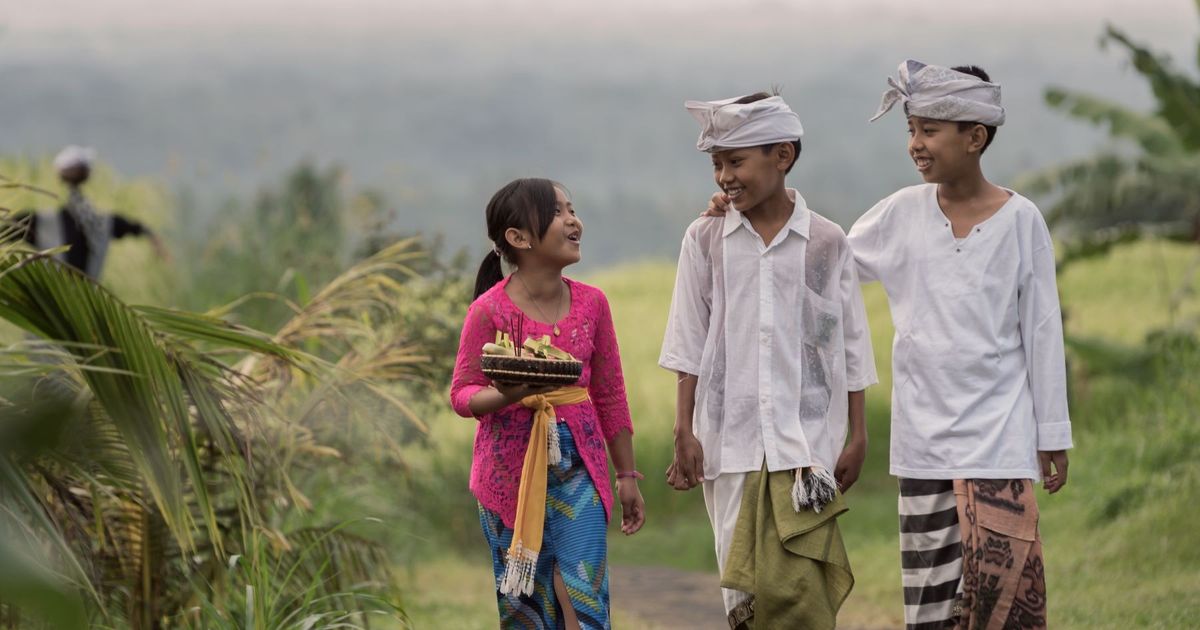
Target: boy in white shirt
979, 401
768, 334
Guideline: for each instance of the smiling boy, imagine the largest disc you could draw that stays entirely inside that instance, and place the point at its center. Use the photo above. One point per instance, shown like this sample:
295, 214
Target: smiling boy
767, 333
979, 405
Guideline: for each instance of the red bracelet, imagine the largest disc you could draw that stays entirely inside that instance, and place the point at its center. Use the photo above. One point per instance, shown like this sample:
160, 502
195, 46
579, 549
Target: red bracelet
633, 473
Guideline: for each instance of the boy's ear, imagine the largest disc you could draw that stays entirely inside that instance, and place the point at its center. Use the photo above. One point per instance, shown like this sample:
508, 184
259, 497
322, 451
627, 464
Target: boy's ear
785, 154
518, 239
977, 139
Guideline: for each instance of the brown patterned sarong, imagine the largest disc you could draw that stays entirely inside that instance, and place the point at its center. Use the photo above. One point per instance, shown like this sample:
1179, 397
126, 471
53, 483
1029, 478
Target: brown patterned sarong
1004, 582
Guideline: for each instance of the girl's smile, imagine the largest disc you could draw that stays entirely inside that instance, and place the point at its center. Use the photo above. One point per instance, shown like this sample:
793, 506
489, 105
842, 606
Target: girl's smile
564, 238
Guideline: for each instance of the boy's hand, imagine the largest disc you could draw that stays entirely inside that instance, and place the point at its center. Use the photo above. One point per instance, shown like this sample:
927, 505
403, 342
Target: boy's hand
717, 206
687, 471
849, 464
633, 507
1053, 481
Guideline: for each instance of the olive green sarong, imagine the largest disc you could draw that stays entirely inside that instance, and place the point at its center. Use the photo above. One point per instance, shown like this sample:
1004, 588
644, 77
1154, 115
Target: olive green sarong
793, 564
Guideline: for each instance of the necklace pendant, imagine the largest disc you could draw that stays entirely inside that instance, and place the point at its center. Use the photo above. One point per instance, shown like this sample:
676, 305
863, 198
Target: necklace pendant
556, 331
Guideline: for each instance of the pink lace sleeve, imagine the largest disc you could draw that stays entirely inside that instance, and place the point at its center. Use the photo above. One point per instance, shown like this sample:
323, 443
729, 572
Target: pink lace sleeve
607, 387
468, 379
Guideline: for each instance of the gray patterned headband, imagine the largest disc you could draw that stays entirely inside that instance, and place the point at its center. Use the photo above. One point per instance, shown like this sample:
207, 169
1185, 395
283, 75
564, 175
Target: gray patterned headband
940, 93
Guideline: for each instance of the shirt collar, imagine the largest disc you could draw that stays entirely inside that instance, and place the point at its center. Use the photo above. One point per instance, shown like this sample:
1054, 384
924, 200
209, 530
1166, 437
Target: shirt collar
799, 222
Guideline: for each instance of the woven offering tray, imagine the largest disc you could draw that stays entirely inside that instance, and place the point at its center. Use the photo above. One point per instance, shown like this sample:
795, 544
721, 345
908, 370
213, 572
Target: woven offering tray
535, 363
531, 370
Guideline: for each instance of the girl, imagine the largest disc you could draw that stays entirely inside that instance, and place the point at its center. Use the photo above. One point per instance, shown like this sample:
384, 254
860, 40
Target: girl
549, 555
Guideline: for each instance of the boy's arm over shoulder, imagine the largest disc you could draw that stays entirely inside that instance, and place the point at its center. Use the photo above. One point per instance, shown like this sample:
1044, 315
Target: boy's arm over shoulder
1042, 333
691, 301
860, 358
871, 237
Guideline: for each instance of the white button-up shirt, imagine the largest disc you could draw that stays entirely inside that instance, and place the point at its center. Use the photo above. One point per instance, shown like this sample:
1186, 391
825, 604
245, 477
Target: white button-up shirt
979, 377
777, 334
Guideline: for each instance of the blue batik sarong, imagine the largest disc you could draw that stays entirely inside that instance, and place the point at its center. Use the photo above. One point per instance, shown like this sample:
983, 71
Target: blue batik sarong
574, 538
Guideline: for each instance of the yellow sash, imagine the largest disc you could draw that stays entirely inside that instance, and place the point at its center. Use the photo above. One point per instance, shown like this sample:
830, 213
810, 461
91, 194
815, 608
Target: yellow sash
531, 500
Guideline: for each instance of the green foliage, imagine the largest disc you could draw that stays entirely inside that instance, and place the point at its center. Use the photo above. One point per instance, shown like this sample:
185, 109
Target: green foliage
1178, 94
190, 438
264, 590
1113, 197
288, 239
1153, 133
32, 421
1129, 508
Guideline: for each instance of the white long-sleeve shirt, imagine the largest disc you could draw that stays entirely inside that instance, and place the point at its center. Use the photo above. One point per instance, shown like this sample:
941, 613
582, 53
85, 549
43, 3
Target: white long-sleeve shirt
777, 334
978, 371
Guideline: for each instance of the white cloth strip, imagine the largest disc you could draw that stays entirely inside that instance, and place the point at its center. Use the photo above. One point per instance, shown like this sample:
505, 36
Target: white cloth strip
927, 504
928, 612
930, 540
926, 576
726, 124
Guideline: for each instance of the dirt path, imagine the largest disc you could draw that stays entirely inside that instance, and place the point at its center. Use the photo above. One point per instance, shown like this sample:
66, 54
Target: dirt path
661, 598
668, 599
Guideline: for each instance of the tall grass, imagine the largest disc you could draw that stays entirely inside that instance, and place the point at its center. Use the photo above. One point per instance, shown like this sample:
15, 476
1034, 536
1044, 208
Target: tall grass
263, 590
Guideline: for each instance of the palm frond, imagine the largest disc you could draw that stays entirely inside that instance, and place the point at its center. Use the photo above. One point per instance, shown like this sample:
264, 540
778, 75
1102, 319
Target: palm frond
1178, 95
1152, 133
26, 582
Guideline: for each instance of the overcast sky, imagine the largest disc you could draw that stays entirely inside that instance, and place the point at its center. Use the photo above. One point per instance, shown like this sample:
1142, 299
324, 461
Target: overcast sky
24, 16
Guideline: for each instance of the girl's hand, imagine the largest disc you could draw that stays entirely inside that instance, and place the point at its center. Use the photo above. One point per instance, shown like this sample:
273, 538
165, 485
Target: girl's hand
717, 206
687, 471
514, 392
633, 507
849, 464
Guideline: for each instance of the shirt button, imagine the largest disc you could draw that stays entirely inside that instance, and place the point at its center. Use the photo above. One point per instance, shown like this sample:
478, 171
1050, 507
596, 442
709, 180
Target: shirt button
766, 339
763, 399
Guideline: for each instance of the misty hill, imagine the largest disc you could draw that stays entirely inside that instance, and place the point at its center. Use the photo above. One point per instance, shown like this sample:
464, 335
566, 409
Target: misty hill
437, 111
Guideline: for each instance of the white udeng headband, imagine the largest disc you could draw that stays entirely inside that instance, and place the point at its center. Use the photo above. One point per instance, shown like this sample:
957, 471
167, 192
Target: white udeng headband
727, 125
942, 94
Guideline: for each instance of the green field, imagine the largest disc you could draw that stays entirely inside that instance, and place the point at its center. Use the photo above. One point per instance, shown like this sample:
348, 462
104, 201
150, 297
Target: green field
1121, 545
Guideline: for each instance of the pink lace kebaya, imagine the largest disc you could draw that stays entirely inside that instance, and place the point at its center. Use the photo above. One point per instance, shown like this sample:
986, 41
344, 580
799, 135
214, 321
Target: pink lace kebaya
502, 437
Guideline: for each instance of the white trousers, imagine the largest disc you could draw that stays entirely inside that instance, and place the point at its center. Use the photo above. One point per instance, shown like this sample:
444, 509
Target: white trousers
723, 499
